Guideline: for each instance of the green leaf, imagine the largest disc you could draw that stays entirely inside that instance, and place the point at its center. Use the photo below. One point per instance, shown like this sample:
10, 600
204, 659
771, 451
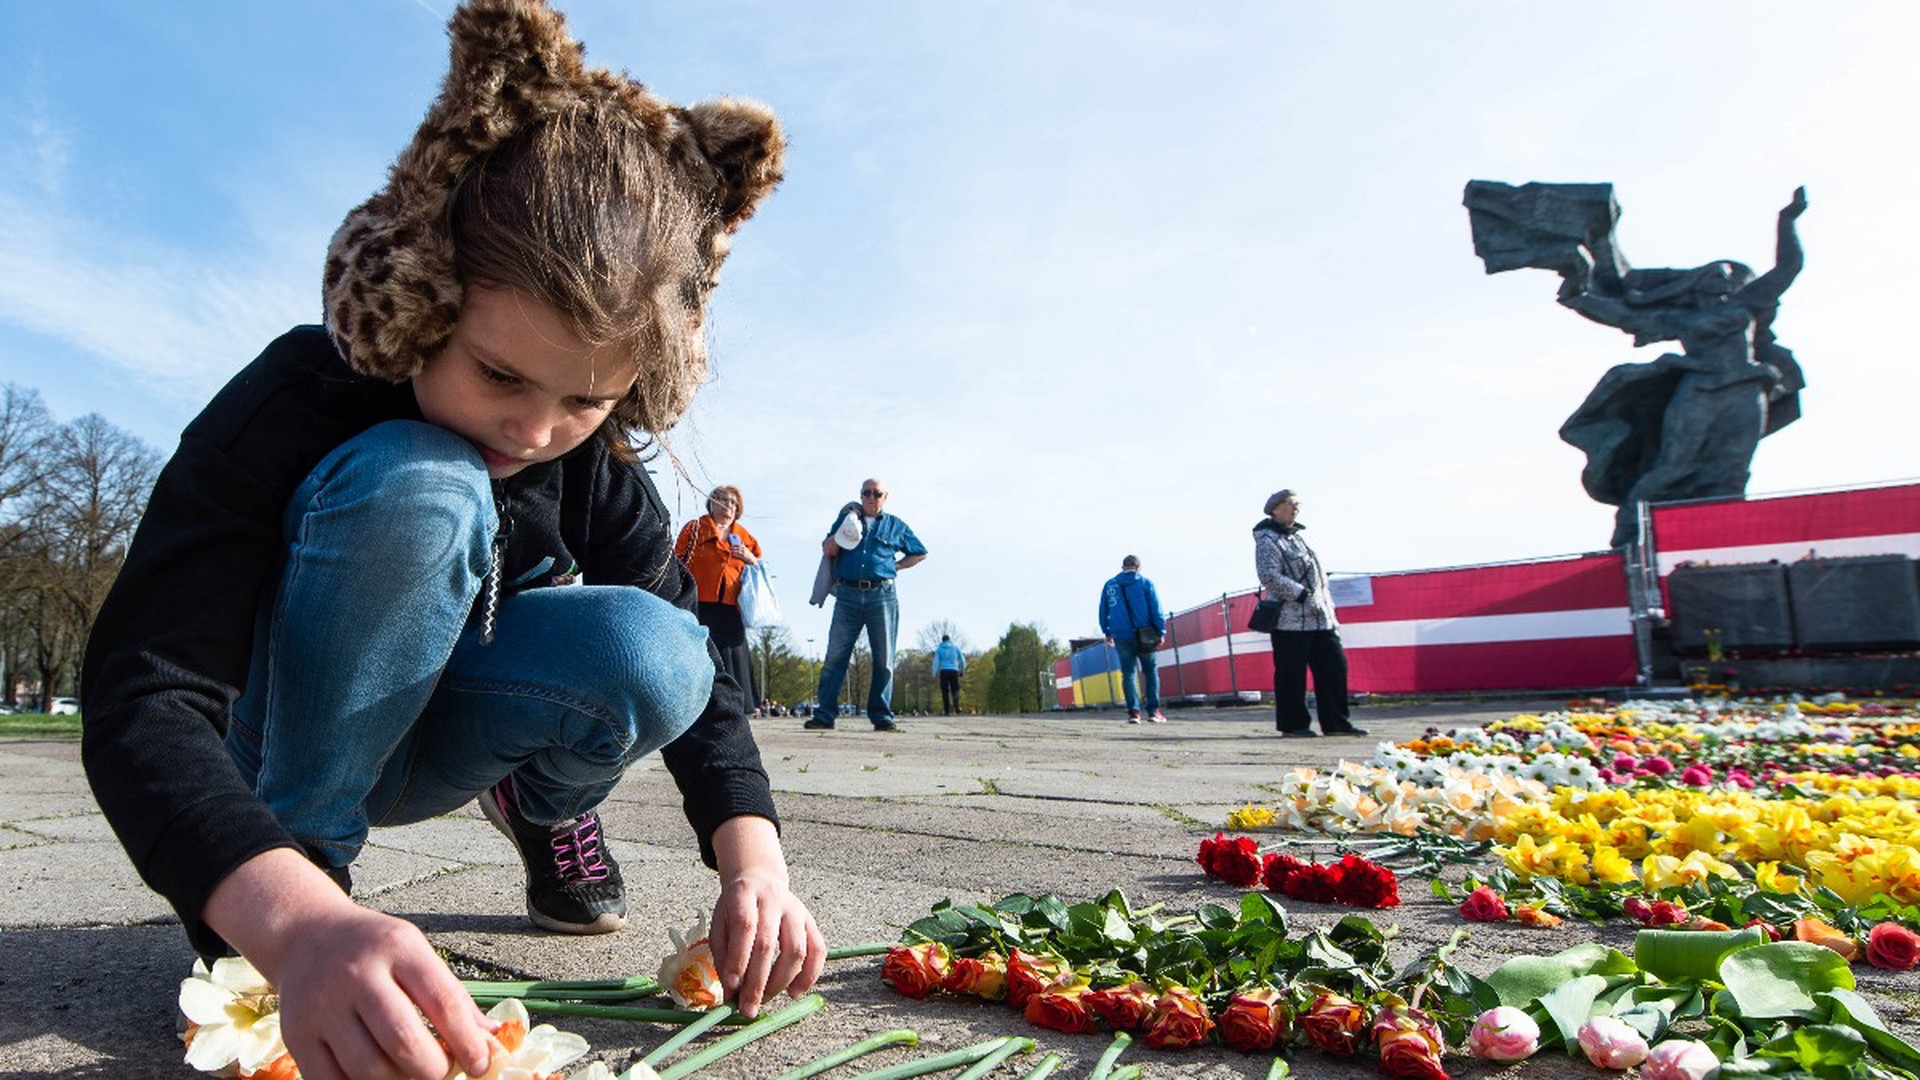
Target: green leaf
1215, 917
1440, 889
1674, 955
1650, 1020
1261, 909
1570, 1004
1852, 1009
1524, 979
1780, 979
1817, 1046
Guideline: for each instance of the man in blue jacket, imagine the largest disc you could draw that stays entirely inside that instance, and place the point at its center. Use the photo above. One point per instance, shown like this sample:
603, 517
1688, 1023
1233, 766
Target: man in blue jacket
949, 663
1131, 618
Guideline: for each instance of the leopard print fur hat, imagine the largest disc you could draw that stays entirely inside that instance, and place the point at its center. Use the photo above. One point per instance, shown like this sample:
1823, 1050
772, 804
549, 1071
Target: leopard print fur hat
391, 291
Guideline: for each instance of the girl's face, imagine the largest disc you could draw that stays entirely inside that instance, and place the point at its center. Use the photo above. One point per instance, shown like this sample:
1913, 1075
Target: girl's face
518, 383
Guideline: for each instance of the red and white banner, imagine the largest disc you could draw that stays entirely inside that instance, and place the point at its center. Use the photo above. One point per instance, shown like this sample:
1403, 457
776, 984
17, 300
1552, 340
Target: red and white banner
1550, 624
1783, 528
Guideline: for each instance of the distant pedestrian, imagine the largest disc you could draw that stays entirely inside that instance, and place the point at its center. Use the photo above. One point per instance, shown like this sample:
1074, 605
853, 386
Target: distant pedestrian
1131, 618
1308, 634
716, 549
866, 548
949, 663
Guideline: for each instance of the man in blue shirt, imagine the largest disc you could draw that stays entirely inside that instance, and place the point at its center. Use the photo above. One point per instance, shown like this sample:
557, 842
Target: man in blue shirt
1128, 606
949, 663
866, 555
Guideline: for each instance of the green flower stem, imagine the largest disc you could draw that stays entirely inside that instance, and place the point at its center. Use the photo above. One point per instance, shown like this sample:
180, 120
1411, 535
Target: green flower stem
1280, 1070
848, 952
1103, 1066
764, 1026
536, 1007
985, 1065
563, 989
685, 1035
952, 1059
1045, 1068
859, 1049
1125, 1072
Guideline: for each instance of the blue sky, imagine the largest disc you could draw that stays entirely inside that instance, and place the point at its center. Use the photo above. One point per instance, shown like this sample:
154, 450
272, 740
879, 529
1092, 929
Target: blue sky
1075, 280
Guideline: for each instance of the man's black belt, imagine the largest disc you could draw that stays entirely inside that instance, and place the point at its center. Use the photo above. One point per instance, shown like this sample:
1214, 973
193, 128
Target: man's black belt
865, 583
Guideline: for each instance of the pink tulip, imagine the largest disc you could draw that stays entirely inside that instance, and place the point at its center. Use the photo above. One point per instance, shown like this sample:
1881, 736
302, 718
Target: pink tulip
1680, 1059
1503, 1034
1611, 1043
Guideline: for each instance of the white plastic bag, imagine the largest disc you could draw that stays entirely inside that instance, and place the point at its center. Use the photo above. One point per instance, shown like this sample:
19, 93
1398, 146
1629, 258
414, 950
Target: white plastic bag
758, 608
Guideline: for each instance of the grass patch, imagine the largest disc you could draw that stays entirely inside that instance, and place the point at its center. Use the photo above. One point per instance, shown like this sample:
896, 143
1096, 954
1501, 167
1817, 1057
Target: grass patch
39, 726
1175, 814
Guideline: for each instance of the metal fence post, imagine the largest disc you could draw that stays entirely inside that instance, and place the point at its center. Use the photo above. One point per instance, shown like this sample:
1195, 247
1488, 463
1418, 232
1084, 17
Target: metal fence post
1233, 671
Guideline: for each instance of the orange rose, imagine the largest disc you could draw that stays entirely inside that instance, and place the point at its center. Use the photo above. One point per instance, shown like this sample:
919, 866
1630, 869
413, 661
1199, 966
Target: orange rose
1333, 1022
1820, 933
985, 977
1528, 915
916, 970
1254, 1020
1028, 974
1124, 1008
1179, 1020
1063, 1008
1410, 1044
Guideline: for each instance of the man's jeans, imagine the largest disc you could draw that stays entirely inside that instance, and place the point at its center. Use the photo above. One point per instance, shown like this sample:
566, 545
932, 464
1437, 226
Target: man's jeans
371, 698
877, 611
1148, 698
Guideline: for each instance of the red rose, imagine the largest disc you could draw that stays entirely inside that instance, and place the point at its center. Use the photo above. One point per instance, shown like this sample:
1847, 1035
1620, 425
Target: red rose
1255, 1020
985, 977
1410, 1044
1637, 909
1179, 1020
916, 970
1365, 883
1773, 932
1062, 1008
1314, 883
1892, 946
1273, 876
1212, 850
1666, 913
1124, 1008
1028, 974
1334, 1024
1484, 905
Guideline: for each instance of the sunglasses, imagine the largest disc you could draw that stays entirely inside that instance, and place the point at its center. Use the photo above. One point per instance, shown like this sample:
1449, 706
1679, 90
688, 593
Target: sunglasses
869, 493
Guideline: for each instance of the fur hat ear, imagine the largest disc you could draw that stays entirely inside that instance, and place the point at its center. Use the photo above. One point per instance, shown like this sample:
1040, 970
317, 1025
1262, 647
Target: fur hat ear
742, 142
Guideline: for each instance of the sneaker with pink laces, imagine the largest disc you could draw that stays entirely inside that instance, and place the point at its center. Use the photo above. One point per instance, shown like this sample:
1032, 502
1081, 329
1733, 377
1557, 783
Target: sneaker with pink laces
573, 884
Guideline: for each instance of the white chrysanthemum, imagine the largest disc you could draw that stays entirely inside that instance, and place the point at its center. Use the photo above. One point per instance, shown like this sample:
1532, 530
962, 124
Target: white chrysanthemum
237, 1016
1583, 774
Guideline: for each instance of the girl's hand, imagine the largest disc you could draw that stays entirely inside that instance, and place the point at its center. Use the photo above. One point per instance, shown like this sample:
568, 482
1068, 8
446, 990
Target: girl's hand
764, 939
353, 983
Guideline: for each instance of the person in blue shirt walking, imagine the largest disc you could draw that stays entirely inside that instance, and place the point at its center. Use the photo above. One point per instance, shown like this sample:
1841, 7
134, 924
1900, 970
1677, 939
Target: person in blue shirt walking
867, 548
949, 663
1131, 618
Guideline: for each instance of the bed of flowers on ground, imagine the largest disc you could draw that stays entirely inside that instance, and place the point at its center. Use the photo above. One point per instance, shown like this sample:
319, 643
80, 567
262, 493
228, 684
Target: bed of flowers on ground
1717, 826
1684, 1005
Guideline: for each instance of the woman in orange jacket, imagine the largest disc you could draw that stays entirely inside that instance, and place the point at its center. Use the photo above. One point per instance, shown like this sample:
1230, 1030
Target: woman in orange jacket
716, 549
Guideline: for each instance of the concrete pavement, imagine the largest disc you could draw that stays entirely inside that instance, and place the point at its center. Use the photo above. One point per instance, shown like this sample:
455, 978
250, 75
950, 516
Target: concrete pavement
877, 829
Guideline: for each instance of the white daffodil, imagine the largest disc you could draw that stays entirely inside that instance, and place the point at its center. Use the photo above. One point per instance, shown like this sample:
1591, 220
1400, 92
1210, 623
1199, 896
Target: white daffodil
235, 1016
690, 976
522, 1052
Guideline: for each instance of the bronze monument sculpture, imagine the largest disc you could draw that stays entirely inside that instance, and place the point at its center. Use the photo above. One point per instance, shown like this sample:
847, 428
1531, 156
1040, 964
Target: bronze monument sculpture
1684, 425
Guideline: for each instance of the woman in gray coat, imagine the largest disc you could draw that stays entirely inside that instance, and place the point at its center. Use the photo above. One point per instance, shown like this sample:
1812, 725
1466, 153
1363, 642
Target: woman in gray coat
1307, 635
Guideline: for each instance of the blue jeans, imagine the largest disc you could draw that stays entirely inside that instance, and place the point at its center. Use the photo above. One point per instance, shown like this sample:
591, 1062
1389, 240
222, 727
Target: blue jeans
371, 699
1148, 699
877, 611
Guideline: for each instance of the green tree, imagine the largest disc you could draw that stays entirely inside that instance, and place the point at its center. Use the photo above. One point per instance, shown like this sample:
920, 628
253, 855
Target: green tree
1022, 679
785, 676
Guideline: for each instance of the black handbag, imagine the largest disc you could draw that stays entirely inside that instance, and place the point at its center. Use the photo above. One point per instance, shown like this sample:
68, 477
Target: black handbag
1145, 638
1266, 616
